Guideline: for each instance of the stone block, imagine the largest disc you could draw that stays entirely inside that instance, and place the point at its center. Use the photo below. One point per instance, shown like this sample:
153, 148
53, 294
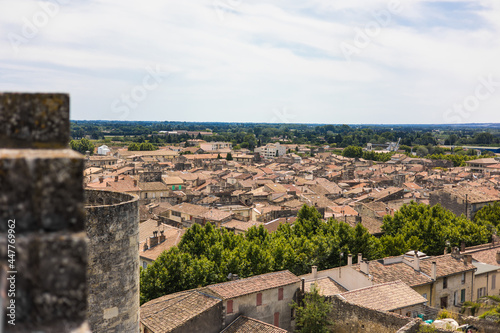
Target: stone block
50, 283
34, 120
42, 189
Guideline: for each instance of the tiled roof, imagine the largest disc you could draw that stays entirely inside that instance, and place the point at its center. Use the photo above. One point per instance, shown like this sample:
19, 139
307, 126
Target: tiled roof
216, 215
190, 209
166, 313
326, 286
244, 324
153, 186
241, 225
445, 265
385, 297
254, 284
486, 255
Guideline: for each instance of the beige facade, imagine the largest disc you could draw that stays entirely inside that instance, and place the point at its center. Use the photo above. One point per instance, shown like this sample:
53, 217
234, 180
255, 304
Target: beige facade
271, 310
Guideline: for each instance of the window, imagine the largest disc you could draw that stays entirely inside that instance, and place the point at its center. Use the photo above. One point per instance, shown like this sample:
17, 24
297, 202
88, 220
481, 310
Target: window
481, 292
144, 265
259, 299
280, 294
176, 214
229, 306
425, 296
493, 281
445, 282
277, 319
463, 278
455, 298
462, 295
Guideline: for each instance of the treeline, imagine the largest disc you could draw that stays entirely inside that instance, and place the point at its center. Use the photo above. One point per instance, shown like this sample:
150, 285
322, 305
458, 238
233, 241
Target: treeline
249, 135
207, 255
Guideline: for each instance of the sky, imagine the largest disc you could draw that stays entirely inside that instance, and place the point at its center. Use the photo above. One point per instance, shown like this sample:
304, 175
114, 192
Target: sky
275, 61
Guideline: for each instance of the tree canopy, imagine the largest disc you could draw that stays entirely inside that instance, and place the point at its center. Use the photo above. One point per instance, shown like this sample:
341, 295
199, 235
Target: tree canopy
313, 315
82, 146
207, 255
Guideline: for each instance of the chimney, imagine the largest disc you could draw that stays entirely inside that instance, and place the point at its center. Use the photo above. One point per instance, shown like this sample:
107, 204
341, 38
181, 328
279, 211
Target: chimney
360, 258
135, 182
468, 259
349, 259
101, 179
116, 178
416, 261
303, 287
146, 245
365, 267
315, 271
498, 256
162, 237
462, 247
153, 241
433, 271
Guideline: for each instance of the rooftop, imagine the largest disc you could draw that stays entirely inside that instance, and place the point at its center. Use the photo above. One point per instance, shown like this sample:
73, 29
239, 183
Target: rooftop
385, 297
244, 324
254, 284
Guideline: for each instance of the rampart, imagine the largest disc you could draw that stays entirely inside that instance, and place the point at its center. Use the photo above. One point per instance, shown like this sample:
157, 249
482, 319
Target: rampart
41, 207
113, 271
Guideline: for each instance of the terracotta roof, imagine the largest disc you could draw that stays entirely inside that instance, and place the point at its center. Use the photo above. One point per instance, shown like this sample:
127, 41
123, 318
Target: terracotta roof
385, 297
244, 324
273, 225
166, 313
474, 194
326, 286
216, 215
445, 265
254, 284
486, 255
191, 209
241, 225
153, 186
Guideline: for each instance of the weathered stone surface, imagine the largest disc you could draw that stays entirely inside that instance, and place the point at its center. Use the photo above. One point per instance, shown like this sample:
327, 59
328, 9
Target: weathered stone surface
112, 226
42, 189
34, 120
50, 283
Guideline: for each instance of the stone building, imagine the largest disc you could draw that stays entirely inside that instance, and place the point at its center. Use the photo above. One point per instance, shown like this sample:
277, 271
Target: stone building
113, 271
464, 200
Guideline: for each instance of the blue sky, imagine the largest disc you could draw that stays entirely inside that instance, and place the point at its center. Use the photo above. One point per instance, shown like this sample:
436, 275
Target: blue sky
357, 61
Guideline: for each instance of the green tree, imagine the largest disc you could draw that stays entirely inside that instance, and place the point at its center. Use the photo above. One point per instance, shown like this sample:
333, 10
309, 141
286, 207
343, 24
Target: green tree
352, 151
313, 315
133, 146
82, 146
229, 157
146, 145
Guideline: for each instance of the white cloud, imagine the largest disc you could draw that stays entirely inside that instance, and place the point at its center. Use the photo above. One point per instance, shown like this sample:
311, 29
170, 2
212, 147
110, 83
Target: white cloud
236, 60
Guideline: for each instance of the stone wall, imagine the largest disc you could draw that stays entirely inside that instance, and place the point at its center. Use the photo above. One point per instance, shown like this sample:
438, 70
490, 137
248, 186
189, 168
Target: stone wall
41, 208
209, 321
448, 201
350, 318
113, 272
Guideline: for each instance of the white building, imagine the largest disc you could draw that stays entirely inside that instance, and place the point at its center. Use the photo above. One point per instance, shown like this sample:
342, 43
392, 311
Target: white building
271, 150
103, 150
216, 146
